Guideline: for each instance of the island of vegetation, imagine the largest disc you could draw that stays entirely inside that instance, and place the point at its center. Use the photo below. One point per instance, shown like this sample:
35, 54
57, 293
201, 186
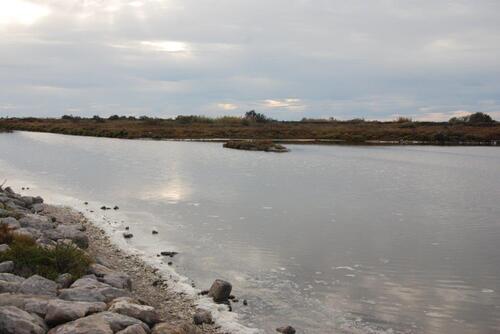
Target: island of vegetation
475, 129
256, 145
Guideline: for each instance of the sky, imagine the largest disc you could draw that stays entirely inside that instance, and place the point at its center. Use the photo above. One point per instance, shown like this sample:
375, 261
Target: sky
289, 59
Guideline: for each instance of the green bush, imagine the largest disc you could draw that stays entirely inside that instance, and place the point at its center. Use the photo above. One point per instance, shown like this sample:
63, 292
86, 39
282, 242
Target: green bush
30, 259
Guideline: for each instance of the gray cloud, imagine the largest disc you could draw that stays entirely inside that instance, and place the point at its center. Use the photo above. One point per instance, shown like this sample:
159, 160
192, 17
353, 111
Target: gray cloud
287, 58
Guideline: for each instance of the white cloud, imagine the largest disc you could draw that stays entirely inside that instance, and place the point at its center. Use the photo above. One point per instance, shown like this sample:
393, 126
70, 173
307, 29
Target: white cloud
21, 12
343, 59
227, 106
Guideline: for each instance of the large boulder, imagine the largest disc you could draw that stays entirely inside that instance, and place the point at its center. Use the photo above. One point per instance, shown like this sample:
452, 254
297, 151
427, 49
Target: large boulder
38, 285
220, 290
13, 320
61, 311
100, 323
7, 277
6, 267
144, 313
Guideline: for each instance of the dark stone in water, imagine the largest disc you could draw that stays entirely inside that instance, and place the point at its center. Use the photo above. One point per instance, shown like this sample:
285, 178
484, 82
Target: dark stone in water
286, 330
245, 302
220, 291
116, 207
204, 292
170, 263
154, 232
127, 235
127, 228
171, 254
104, 207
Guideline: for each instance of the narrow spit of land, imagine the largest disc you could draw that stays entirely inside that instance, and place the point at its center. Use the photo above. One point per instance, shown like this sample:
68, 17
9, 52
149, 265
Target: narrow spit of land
402, 131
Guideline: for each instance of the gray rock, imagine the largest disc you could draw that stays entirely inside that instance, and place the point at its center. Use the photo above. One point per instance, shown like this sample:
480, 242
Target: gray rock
83, 326
62, 311
220, 290
89, 289
117, 321
38, 207
36, 305
286, 330
99, 270
4, 213
11, 278
27, 200
86, 295
29, 232
202, 317
37, 200
64, 281
134, 329
144, 313
68, 232
11, 222
37, 222
13, 320
4, 247
8, 286
38, 285
118, 280
29, 303
6, 267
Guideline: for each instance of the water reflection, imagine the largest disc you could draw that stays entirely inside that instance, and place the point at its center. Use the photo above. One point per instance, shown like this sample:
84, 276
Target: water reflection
352, 239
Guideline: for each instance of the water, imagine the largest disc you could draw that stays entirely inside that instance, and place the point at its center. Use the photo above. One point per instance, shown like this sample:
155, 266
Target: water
326, 238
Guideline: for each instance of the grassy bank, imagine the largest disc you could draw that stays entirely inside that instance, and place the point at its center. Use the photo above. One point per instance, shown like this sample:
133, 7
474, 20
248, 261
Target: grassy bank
197, 127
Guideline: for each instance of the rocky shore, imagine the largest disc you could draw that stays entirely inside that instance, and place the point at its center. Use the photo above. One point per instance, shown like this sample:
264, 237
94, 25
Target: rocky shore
115, 292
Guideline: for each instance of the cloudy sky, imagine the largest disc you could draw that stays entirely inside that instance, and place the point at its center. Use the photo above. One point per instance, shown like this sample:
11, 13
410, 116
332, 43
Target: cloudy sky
377, 59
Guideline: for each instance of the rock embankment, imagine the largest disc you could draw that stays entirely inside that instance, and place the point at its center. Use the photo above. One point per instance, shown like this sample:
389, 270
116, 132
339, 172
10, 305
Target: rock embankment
113, 294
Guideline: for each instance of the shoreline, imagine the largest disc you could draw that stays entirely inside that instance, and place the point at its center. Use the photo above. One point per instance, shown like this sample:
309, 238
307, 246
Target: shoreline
298, 141
177, 311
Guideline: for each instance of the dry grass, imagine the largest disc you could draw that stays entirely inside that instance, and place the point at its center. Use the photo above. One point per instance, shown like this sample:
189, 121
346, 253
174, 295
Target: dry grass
194, 127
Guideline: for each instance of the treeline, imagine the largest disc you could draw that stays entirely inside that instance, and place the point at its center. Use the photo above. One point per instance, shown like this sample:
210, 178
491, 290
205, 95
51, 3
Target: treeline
475, 128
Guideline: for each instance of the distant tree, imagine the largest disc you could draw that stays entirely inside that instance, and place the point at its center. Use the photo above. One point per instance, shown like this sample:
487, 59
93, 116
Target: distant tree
113, 117
98, 119
402, 119
475, 118
256, 117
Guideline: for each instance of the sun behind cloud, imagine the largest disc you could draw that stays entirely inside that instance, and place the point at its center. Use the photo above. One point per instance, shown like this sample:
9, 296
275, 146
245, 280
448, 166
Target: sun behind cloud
21, 12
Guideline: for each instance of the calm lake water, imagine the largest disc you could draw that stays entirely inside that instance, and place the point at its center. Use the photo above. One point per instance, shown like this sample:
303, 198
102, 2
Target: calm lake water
326, 238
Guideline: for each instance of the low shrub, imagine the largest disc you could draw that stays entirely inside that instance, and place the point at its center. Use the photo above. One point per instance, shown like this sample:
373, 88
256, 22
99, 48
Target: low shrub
30, 259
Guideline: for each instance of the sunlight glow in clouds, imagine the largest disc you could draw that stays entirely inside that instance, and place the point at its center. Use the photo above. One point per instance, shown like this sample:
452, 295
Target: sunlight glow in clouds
227, 106
21, 12
167, 46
